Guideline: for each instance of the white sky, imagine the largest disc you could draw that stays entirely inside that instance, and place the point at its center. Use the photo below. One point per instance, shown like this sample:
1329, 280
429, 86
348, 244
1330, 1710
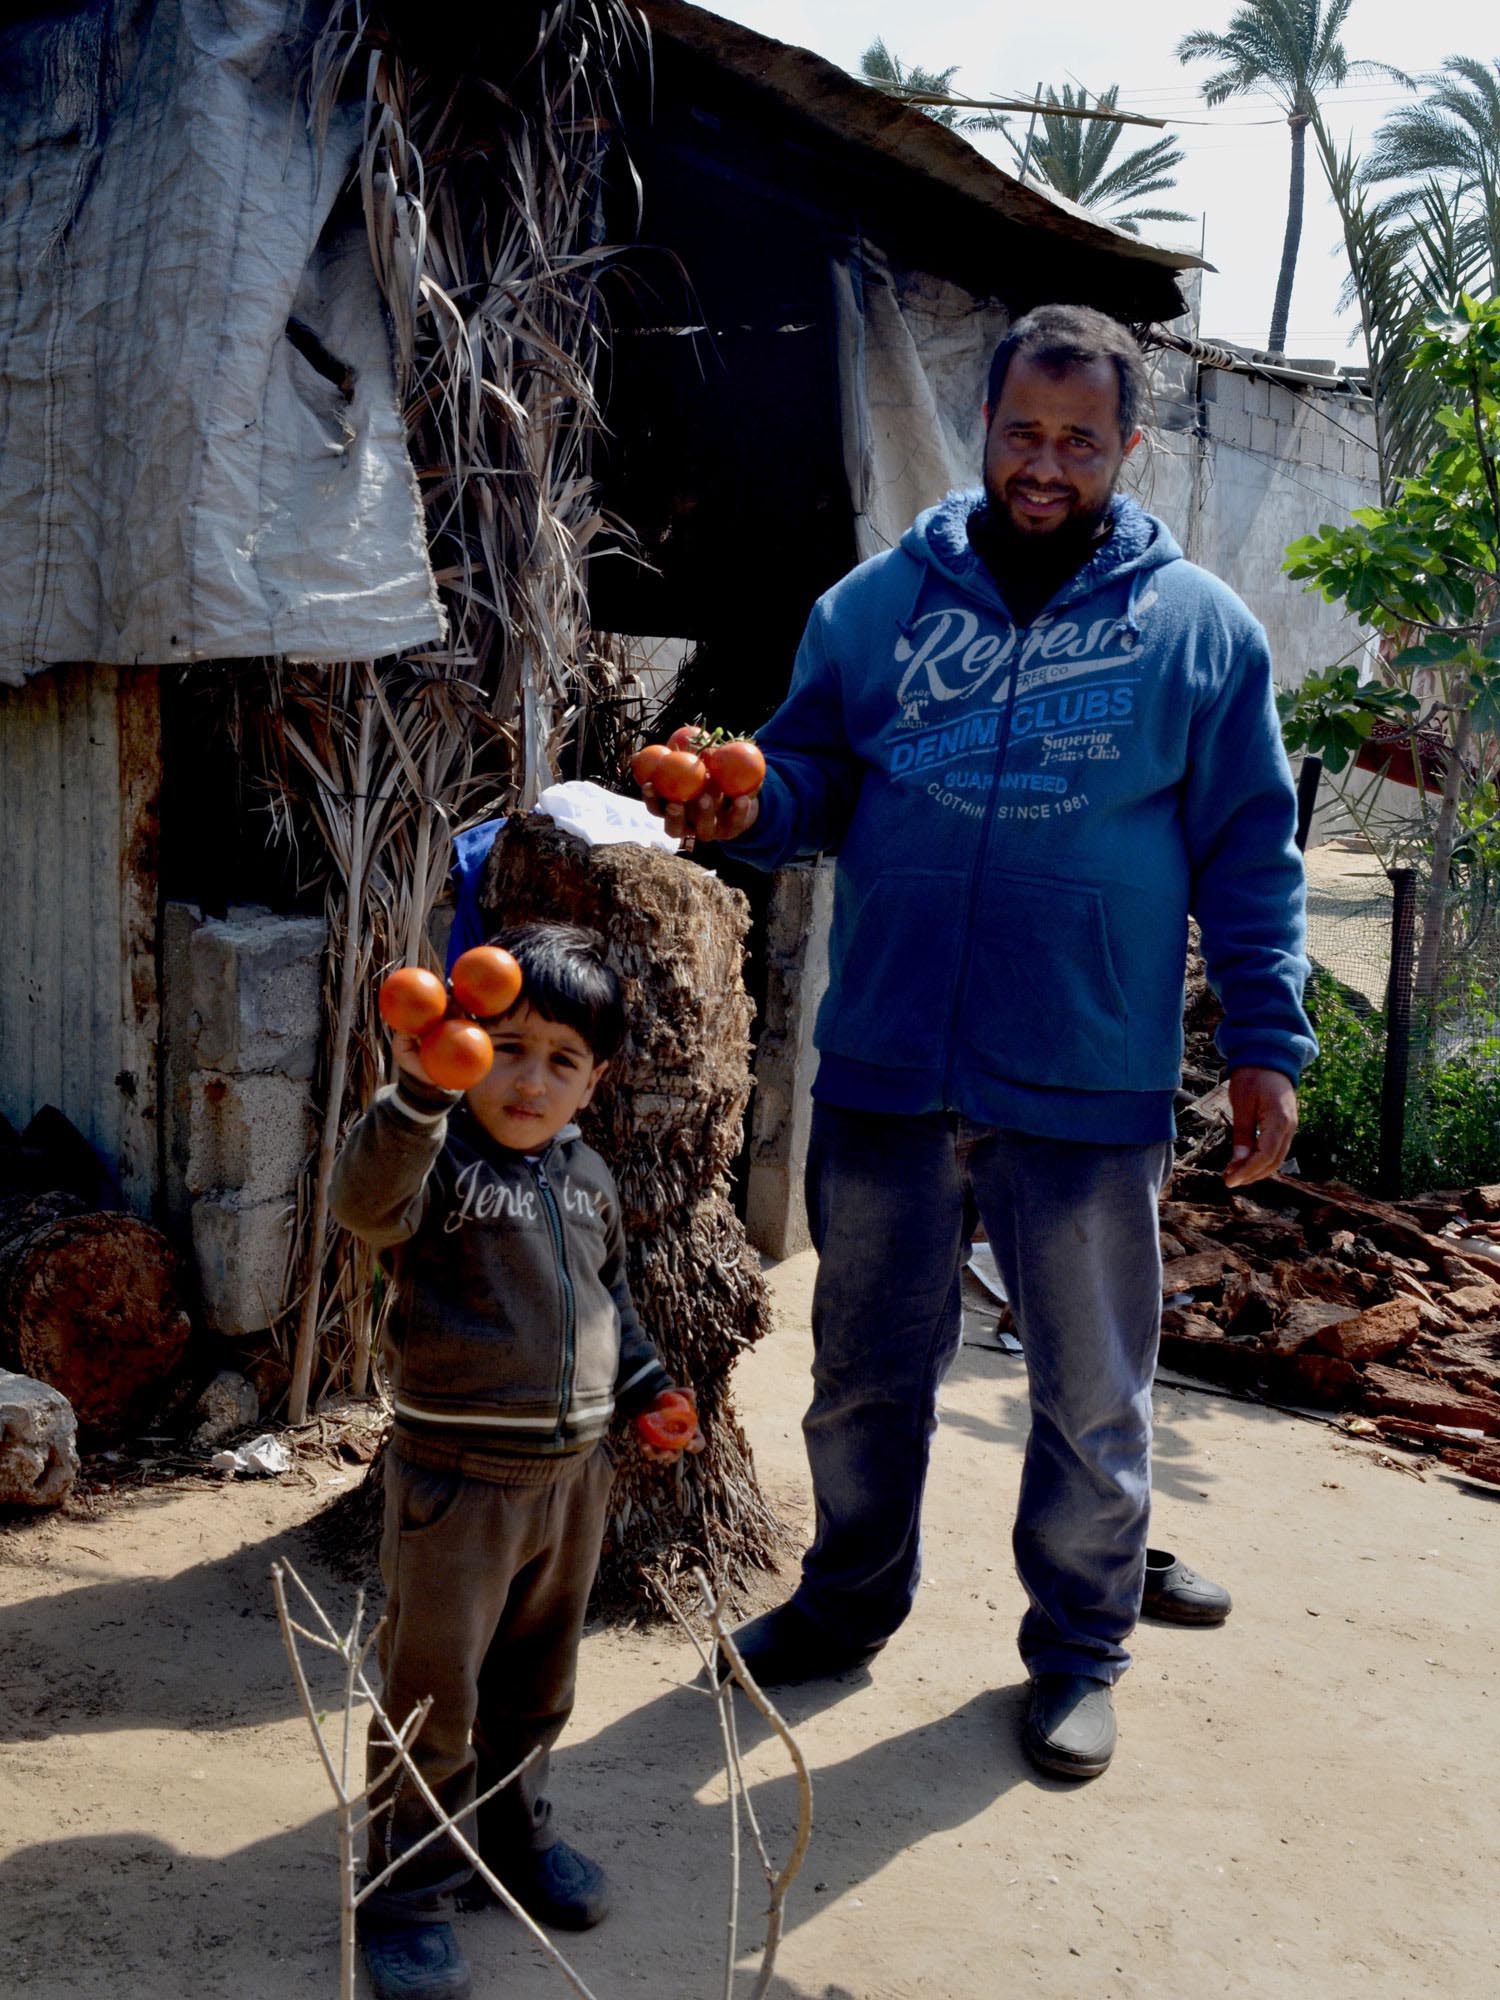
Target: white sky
1235, 173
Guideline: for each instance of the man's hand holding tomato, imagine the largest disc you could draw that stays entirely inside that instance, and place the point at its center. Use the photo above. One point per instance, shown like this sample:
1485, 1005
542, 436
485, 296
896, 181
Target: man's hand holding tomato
708, 785
710, 816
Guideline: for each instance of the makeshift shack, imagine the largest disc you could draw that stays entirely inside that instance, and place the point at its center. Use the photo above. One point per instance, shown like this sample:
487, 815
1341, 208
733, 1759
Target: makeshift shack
205, 464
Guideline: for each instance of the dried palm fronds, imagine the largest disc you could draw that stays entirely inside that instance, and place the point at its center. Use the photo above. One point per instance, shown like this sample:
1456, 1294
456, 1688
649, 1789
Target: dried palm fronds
667, 1119
480, 183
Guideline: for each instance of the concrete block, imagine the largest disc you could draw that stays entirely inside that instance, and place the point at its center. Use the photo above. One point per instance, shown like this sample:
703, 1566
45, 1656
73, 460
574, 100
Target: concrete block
1263, 436
242, 1251
179, 1027
255, 981
247, 1133
1231, 425
1282, 407
1257, 396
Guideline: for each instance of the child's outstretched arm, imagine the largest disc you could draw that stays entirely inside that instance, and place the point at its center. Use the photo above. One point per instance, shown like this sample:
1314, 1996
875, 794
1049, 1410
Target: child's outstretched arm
379, 1190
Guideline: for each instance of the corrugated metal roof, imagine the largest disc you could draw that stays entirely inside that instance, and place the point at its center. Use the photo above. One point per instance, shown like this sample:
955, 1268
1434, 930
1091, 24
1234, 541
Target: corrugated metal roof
852, 113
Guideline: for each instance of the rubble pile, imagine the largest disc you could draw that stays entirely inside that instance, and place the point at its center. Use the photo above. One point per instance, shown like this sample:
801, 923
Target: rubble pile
1318, 1295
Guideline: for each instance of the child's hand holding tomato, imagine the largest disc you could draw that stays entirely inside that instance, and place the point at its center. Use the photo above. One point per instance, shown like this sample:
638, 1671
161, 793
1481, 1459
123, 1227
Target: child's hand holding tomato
439, 1039
669, 1427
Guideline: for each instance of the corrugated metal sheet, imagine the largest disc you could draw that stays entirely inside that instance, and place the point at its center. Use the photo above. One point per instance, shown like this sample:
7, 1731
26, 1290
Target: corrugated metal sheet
941, 170
80, 752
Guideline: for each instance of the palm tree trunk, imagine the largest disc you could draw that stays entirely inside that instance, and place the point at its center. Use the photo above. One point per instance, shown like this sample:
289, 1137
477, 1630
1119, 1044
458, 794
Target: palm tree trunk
1290, 243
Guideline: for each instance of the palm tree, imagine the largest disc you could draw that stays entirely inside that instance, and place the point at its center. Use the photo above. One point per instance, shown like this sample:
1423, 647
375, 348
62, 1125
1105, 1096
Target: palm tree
1406, 266
1072, 157
878, 66
1291, 50
1450, 139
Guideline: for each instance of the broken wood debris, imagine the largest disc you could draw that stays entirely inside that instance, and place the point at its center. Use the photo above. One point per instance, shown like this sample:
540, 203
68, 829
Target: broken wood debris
1318, 1294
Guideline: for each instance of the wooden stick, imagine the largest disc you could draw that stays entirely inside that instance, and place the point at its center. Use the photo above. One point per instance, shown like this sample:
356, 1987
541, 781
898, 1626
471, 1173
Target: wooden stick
307, 1325
445, 1823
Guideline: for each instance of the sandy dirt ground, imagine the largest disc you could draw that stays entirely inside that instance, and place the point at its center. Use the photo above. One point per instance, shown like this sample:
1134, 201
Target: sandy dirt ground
1303, 1804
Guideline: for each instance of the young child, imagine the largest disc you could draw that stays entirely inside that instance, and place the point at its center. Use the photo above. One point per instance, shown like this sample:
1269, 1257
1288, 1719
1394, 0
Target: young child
512, 1340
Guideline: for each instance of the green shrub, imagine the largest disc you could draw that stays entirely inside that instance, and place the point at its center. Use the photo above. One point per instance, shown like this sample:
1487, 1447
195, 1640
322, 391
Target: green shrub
1453, 1121
1452, 1134
1339, 1139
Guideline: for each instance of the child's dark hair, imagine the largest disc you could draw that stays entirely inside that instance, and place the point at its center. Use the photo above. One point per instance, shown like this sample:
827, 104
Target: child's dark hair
567, 980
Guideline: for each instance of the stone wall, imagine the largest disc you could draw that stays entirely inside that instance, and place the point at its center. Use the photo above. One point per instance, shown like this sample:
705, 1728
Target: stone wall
240, 1039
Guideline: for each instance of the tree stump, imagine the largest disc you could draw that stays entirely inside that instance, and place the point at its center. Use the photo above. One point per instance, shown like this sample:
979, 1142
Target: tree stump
89, 1304
667, 1119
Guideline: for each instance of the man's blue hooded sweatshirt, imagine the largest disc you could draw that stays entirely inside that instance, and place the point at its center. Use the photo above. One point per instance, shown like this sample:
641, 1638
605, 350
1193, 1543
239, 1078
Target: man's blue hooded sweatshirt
1024, 817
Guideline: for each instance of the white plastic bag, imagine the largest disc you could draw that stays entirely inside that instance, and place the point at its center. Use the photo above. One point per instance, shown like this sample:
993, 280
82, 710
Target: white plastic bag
604, 819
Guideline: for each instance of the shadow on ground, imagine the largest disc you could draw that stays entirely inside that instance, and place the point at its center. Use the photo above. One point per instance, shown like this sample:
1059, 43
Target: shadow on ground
110, 1656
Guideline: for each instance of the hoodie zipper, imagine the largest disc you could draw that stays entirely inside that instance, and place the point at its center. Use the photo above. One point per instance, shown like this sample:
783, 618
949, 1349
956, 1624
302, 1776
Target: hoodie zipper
976, 867
1060, 601
570, 1312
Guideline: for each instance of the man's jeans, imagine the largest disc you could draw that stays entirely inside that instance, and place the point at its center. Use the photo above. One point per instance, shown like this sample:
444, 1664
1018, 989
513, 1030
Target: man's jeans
1074, 1231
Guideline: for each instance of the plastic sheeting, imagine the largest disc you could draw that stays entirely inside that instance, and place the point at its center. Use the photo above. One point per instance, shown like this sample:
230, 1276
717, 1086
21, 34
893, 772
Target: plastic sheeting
178, 480
914, 354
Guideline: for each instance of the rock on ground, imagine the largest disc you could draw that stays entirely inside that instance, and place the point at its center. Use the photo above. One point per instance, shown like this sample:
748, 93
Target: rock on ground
38, 1443
227, 1405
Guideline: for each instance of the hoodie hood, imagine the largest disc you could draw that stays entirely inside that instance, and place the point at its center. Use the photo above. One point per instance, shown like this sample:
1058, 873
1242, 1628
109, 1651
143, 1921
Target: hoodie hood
939, 540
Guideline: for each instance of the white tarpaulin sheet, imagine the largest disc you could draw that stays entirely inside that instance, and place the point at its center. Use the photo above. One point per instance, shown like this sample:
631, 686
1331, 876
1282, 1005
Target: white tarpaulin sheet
178, 479
914, 353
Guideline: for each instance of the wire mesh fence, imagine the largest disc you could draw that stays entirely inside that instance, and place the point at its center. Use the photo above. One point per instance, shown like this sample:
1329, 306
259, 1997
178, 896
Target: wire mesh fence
1405, 995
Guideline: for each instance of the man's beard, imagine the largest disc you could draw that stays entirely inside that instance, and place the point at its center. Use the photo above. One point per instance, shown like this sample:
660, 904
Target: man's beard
1073, 540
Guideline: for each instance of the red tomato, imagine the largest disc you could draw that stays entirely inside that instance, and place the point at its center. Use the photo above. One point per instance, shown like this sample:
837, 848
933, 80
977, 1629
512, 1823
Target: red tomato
486, 981
738, 769
692, 736
680, 777
412, 999
643, 764
456, 1054
670, 1422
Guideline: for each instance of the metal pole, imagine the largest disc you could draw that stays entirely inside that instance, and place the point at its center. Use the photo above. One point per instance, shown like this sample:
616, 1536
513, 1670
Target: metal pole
1307, 798
1398, 997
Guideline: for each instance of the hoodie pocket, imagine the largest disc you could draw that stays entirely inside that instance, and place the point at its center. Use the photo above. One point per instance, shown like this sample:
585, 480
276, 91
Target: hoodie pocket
893, 987
1042, 1003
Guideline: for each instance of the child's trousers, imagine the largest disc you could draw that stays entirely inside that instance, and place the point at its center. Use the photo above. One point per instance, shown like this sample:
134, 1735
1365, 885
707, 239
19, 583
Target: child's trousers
487, 1582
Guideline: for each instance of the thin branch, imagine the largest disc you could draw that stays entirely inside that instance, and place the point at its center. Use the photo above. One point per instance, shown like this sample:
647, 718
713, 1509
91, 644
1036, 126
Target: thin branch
445, 1823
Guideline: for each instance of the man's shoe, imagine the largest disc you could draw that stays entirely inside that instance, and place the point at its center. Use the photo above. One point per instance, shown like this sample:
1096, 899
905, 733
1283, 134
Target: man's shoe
557, 1885
784, 1646
414, 1961
1178, 1595
1070, 1725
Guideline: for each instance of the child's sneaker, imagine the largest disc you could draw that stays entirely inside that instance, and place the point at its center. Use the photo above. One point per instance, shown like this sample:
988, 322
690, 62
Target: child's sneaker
414, 1959
557, 1885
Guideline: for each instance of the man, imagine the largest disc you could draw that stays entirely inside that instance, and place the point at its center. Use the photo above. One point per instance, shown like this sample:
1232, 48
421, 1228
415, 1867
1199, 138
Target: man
1037, 738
